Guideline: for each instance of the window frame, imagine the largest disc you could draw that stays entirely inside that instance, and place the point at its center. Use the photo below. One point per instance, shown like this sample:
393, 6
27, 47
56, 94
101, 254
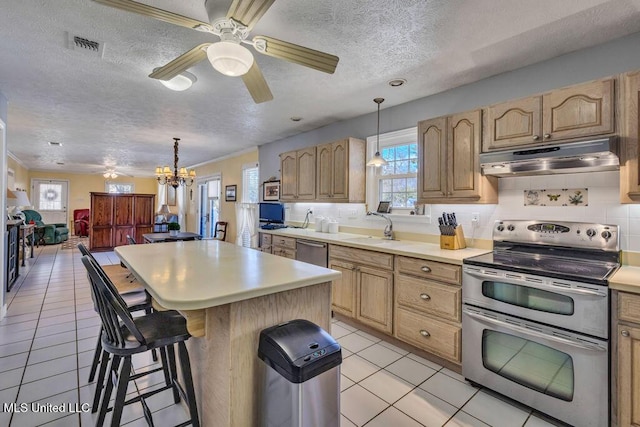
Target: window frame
245, 185
399, 137
109, 183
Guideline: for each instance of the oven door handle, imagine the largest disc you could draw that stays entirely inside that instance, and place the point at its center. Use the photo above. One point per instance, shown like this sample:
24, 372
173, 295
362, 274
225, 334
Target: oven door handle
520, 279
566, 341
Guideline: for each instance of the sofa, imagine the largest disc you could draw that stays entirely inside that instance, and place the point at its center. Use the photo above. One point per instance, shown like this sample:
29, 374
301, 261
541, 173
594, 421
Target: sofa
53, 233
81, 222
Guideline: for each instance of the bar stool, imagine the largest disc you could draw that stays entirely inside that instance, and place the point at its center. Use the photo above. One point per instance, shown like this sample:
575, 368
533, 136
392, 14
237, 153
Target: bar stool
136, 299
124, 336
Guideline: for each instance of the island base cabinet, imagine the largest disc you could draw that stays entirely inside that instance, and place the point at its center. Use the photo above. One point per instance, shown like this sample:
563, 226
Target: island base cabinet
227, 372
426, 333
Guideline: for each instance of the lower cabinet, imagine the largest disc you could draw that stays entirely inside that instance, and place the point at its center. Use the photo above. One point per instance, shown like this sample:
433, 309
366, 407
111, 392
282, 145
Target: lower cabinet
628, 360
265, 242
365, 291
283, 246
428, 305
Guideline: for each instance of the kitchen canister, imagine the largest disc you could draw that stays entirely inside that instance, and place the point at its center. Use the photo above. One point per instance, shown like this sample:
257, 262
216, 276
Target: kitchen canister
333, 227
318, 223
325, 225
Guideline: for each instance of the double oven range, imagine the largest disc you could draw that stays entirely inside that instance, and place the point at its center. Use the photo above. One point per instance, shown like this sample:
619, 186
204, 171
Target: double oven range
535, 322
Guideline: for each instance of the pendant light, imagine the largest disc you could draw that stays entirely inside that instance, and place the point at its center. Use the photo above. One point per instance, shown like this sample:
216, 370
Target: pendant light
377, 159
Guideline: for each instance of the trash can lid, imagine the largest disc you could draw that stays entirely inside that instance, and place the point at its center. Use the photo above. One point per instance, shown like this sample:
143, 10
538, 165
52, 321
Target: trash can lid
299, 350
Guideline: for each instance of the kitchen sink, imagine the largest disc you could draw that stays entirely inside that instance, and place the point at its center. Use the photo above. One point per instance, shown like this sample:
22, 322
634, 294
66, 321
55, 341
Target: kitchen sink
369, 240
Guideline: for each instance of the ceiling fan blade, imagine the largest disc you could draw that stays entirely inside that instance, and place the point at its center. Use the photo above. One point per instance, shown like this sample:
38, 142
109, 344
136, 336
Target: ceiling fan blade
257, 85
181, 63
248, 12
162, 15
311, 58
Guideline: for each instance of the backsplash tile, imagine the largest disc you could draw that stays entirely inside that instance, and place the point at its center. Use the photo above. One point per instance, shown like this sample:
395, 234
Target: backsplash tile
604, 207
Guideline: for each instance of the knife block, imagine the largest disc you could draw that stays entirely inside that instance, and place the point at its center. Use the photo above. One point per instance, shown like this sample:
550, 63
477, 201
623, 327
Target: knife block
453, 242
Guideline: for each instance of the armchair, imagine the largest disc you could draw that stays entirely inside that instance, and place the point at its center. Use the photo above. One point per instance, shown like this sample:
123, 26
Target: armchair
53, 233
81, 222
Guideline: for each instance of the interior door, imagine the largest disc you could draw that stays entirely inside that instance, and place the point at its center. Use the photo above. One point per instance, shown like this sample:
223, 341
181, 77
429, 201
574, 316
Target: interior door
50, 198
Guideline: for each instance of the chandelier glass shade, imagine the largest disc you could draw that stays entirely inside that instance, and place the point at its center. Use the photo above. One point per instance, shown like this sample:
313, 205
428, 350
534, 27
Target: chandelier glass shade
377, 160
178, 177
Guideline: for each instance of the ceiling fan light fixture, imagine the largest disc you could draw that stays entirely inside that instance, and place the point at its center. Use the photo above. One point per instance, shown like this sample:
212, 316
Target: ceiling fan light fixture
181, 82
230, 58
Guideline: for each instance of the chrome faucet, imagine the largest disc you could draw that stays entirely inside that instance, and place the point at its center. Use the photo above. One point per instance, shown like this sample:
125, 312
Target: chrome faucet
388, 229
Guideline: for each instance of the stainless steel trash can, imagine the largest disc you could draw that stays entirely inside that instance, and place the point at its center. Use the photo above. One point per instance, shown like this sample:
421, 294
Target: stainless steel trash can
302, 381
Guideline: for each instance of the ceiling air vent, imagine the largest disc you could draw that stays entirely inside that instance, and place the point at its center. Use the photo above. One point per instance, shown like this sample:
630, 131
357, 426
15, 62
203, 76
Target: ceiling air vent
82, 44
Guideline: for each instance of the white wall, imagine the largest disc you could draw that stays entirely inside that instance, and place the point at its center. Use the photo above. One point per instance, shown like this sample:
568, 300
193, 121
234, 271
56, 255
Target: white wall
603, 207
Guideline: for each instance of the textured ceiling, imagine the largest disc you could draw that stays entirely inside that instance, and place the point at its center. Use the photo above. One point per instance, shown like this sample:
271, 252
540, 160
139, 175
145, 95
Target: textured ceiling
107, 112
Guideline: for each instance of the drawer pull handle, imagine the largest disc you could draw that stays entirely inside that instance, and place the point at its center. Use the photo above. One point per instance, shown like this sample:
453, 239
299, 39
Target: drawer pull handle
425, 269
425, 297
624, 333
424, 333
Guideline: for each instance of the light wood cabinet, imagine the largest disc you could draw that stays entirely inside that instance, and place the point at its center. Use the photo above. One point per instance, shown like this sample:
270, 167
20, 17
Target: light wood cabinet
283, 246
365, 291
448, 162
627, 360
428, 306
340, 171
264, 241
114, 216
573, 112
630, 139
298, 175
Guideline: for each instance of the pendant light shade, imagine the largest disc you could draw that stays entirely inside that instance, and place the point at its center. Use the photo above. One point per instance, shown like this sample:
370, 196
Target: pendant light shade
230, 58
377, 160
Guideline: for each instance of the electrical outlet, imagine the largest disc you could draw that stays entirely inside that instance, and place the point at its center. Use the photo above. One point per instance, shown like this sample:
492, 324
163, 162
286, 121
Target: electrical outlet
475, 219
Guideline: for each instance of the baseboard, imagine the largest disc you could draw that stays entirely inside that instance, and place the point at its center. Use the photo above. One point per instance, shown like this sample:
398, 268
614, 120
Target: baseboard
3, 311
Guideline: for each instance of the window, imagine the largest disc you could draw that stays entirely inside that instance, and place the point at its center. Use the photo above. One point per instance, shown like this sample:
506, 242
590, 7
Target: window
250, 185
397, 182
50, 196
112, 187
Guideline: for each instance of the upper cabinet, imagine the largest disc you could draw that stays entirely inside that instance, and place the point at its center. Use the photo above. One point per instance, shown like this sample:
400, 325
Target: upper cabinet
449, 168
576, 111
332, 172
298, 175
630, 139
340, 174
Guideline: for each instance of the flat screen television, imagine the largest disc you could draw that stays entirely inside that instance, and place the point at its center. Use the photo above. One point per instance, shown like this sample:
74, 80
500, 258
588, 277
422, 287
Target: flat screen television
272, 213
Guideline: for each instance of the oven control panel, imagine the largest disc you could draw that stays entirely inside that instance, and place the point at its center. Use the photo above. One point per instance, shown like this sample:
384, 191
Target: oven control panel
559, 233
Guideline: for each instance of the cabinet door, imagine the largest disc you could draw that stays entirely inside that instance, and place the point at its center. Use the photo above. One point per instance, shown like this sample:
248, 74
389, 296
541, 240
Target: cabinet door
340, 170
101, 222
288, 176
374, 303
628, 376
630, 152
343, 290
432, 158
464, 139
123, 211
513, 124
324, 172
579, 111
306, 174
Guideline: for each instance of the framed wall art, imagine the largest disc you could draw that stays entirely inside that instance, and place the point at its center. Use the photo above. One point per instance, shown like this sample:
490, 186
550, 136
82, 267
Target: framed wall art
230, 193
271, 191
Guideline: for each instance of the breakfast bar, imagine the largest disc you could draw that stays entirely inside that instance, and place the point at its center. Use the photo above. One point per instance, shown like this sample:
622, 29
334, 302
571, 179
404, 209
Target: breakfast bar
228, 295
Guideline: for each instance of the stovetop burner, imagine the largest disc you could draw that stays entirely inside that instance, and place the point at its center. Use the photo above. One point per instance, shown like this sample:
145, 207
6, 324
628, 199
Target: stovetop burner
565, 250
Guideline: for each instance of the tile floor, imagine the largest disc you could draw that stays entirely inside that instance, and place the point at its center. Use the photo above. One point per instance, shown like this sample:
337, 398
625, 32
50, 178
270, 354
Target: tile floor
48, 337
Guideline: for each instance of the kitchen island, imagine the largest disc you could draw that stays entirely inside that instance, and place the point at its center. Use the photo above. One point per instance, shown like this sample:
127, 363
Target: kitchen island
229, 294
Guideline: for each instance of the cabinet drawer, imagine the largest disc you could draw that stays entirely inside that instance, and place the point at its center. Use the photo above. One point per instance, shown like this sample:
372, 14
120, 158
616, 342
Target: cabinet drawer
439, 338
429, 297
629, 307
285, 242
362, 256
266, 249
280, 251
265, 239
429, 269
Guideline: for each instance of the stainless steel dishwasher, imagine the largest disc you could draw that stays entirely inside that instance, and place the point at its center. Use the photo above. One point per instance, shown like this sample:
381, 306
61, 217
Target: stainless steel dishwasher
312, 252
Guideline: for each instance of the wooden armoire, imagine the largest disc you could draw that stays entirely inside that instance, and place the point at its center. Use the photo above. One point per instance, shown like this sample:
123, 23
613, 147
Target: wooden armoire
114, 216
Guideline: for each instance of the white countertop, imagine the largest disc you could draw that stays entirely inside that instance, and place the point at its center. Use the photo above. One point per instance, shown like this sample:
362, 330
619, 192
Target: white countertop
408, 248
627, 279
207, 273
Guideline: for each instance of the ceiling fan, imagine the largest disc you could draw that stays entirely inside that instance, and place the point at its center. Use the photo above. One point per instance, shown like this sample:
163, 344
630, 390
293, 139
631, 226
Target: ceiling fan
228, 55
110, 173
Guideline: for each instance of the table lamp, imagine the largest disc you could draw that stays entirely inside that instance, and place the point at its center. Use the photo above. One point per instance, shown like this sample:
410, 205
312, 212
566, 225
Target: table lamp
164, 211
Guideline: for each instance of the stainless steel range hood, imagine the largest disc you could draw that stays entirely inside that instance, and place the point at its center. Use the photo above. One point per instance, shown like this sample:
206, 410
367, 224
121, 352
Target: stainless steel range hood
573, 157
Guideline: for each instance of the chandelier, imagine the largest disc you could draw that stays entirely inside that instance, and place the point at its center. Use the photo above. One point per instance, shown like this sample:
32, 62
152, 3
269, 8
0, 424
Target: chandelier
177, 177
